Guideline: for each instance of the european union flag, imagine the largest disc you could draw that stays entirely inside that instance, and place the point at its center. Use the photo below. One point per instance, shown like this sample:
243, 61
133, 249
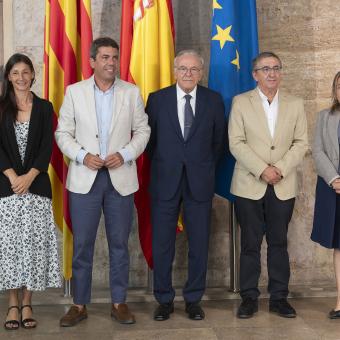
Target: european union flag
234, 44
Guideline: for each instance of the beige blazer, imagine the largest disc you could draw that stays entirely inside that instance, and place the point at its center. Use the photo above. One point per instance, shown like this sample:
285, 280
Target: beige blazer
254, 149
77, 129
326, 145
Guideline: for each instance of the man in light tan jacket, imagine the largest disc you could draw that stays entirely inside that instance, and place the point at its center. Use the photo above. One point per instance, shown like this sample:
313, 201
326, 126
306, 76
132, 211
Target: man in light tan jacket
268, 138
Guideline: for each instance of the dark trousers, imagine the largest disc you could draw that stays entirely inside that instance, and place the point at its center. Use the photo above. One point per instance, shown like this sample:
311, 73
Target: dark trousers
269, 216
196, 217
85, 212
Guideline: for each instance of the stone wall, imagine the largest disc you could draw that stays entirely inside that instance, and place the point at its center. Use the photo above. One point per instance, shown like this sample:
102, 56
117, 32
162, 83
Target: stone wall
303, 33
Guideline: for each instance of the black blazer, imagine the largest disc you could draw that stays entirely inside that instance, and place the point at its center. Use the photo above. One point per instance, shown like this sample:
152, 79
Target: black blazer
38, 150
198, 155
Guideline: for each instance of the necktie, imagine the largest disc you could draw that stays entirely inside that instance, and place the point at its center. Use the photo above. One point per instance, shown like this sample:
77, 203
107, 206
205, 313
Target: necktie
188, 116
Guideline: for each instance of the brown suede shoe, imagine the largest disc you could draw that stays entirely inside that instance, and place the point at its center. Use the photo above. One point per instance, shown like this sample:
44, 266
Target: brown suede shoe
122, 314
73, 316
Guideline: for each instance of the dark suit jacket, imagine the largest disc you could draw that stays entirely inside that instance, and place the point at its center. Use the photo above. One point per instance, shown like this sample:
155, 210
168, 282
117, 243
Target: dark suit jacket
170, 154
38, 150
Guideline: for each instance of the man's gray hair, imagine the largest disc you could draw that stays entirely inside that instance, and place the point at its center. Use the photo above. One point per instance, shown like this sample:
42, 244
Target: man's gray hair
264, 55
189, 52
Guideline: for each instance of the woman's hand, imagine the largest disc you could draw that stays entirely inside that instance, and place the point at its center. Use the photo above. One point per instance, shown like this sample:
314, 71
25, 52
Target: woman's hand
336, 185
11, 175
22, 183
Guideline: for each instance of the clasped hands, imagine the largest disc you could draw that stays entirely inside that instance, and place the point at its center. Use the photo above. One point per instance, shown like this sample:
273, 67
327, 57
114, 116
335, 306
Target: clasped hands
21, 184
272, 175
94, 162
336, 185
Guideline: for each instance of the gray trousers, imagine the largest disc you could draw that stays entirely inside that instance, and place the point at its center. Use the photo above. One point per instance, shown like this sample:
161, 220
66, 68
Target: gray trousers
85, 210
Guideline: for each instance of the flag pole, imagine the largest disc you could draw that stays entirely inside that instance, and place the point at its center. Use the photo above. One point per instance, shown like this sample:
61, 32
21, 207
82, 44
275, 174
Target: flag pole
67, 288
234, 250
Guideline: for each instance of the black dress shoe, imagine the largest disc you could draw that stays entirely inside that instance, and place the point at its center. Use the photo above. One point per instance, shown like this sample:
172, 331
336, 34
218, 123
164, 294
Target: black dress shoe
194, 310
163, 311
282, 308
334, 314
247, 308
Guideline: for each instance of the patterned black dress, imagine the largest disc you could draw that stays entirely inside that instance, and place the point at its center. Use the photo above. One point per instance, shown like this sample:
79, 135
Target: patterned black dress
28, 242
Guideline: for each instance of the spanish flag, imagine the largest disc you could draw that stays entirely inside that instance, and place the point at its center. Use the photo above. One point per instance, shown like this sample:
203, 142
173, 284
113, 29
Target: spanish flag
68, 36
146, 59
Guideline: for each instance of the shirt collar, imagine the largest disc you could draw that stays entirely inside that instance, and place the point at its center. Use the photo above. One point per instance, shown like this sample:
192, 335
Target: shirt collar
181, 93
265, 98
109, 90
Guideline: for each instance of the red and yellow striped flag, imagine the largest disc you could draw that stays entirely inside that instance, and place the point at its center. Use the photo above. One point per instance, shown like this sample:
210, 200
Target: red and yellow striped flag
146, 59
68, 36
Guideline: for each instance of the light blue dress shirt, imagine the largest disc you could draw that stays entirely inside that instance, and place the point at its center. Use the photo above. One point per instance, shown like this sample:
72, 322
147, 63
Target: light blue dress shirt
104, 113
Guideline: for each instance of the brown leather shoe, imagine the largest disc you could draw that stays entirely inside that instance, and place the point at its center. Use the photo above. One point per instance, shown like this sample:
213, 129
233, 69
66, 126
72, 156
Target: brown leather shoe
73, 316
122, 314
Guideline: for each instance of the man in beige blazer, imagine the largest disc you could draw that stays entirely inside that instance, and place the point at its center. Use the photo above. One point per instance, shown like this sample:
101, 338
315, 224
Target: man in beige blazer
102, 129
268, 138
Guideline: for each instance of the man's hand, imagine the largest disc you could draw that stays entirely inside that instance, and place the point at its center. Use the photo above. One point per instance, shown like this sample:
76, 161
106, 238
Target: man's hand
114, 161
93, 162
336, 185
271, 175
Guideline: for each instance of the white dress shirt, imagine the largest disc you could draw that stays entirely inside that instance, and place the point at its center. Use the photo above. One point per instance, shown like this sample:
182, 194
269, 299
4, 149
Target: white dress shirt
181, 102
271, 110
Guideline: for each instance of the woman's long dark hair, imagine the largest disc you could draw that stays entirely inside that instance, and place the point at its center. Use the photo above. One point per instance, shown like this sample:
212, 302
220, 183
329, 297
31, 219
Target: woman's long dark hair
8, 105
335, 102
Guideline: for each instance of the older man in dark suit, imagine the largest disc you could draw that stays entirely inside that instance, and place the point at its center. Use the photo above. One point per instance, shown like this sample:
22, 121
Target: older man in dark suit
187, 137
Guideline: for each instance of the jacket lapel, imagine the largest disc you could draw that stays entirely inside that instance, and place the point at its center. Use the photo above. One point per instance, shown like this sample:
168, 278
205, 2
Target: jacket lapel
33, 126
118, 99
332, 127
261, 118
90, 103
13, 142
173, 111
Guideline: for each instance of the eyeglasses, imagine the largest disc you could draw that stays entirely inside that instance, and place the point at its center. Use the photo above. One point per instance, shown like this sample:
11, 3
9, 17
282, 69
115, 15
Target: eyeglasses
266, 69
193, 70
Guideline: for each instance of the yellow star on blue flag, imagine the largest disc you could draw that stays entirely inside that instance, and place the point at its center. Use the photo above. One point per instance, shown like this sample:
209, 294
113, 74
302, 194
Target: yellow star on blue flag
236, 61
216, 5
223, 35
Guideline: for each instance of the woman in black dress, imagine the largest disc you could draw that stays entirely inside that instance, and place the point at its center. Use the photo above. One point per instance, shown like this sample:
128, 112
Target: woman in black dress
28, 245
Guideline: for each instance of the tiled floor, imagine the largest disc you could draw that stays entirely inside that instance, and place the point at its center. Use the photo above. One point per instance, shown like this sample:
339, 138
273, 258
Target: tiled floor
220, 322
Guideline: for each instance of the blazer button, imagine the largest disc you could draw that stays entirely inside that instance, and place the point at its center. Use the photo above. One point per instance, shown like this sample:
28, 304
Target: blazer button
96, 136
273, 147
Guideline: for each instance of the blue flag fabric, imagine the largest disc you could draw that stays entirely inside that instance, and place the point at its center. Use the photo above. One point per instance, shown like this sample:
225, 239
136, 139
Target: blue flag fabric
234, 44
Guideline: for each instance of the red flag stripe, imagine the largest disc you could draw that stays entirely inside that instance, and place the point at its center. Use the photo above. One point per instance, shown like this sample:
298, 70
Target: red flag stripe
85, 33
61, 44
126, 35
171, 16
